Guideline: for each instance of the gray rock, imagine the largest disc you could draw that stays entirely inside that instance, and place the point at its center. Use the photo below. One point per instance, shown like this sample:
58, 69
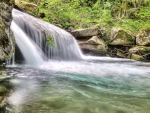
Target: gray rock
84, 33
143, 37
93, 46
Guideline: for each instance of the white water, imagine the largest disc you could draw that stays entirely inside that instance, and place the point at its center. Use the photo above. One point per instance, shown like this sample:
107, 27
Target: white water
65, 46
32, 55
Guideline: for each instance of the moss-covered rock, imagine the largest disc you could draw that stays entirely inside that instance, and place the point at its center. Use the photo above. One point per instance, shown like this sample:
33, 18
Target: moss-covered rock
143, 36
137, 57
121, 37
31, 8
6, 38
142, 50
120, 54
2, 89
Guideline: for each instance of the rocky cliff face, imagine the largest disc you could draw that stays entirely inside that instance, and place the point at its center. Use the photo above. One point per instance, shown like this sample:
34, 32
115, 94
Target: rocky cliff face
6, 37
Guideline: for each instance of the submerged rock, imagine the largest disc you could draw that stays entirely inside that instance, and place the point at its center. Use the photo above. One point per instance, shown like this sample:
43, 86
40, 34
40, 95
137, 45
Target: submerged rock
2, 90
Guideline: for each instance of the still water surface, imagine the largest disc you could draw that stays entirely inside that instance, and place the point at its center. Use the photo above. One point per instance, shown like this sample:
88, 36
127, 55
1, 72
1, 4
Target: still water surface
111, 86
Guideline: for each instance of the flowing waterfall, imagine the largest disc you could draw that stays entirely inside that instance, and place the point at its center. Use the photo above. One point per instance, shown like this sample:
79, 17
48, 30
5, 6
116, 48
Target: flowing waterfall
65, 46
29, 50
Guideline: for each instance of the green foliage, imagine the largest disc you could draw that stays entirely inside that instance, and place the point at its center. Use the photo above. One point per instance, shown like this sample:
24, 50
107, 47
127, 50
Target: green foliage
129, 14
50, 40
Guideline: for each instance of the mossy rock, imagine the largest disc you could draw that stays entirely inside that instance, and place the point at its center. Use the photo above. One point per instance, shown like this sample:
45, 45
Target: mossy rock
121, 37
121, 54
31, 8
137, 57
142, 50
3, 90
143, 36
6, 39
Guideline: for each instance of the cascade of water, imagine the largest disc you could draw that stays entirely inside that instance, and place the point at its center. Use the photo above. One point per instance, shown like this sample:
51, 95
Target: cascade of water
65, 46
13, 59
32, 55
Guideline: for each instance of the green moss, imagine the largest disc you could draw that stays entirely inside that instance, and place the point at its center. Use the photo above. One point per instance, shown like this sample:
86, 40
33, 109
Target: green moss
145, 28
31, 8
137, 57
50, 40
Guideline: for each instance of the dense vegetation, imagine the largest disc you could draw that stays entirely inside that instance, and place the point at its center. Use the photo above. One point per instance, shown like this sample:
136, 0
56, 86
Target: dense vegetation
129, 14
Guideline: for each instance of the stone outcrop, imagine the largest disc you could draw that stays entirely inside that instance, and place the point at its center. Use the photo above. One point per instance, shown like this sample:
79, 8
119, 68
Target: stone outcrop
27, 7
121, 37
143, 37
142, 50
6, 40
85, 33
93, 46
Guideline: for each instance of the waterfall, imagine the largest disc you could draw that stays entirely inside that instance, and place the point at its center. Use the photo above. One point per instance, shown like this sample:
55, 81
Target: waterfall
65, 46
29, 50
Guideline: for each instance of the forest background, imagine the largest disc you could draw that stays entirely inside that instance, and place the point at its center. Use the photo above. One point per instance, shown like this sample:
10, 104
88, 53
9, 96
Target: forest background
131, 15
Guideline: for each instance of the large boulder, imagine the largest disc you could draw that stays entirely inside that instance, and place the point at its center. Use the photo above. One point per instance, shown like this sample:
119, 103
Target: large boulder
93, 46
137, 57
142, 50
121, 37
6, 40
143, 37
85, 33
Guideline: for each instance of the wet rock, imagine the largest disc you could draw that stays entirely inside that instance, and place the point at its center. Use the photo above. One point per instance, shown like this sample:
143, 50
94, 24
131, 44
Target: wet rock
143, 37
57, 104
137, 57
6, 38
93, 46
120, 111
89, 110
118, 51
142, 50
3, 104
120, 54
2, 89
121, 37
